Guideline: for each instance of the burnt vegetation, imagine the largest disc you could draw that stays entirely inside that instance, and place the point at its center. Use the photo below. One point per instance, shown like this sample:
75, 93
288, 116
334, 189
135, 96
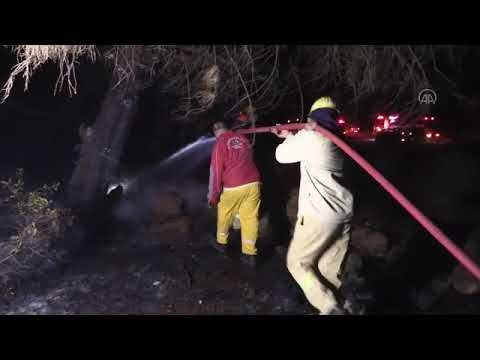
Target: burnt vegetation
119, 110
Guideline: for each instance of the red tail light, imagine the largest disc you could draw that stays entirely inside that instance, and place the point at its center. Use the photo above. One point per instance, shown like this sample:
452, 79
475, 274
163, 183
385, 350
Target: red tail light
429, 135
341, 121
437, 135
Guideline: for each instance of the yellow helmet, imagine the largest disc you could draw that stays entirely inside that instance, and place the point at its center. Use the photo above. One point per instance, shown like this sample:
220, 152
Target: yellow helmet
324, 102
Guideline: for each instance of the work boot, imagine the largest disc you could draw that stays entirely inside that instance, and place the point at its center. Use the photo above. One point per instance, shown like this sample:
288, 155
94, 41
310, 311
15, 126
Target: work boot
249, 260
220, 248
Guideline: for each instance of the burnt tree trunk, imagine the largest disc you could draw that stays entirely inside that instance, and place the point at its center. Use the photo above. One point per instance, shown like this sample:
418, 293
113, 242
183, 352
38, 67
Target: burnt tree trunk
100, 151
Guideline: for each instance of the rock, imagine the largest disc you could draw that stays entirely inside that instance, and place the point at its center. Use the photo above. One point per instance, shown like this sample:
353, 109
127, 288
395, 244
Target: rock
178, 225
161, 293
84, 289
463, 282
461, 279
145, 268
394, 253
120, 303
353, 265
166, 206
37, 304
367, 242
248, 291
353, 307
44, 310
162, 288
264, 296
428, 296
288, 303
355, 291
251, 309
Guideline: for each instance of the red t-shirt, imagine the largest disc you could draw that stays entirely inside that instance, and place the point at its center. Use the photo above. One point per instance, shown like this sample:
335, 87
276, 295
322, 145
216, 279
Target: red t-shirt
231, 164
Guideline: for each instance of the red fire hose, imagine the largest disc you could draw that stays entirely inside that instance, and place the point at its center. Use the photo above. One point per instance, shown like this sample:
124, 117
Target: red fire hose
463, 258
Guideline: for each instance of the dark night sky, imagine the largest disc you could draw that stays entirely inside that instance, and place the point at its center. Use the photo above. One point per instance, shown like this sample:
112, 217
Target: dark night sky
39, 130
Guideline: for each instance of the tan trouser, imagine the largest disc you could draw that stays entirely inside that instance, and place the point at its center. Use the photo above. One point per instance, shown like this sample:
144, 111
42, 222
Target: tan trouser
324, 244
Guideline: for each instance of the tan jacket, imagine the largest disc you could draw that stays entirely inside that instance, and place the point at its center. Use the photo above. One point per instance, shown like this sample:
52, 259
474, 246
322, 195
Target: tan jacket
321, 195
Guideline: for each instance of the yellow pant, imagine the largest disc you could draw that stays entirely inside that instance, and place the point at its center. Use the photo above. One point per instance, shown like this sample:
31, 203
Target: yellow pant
245, 201
324, 245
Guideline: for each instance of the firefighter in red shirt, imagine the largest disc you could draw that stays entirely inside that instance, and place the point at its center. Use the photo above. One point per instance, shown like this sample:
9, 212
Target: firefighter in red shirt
234, 187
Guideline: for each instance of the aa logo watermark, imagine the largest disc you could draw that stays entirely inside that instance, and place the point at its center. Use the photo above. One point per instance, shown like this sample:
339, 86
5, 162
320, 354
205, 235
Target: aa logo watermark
427, 96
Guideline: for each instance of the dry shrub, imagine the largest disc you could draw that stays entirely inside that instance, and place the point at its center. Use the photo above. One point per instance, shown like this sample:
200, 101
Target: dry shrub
31, 225
394, 74
31, 57
236, 76
200, 75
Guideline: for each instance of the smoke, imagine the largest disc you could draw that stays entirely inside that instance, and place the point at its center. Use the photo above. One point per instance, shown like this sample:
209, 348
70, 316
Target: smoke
170, 178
